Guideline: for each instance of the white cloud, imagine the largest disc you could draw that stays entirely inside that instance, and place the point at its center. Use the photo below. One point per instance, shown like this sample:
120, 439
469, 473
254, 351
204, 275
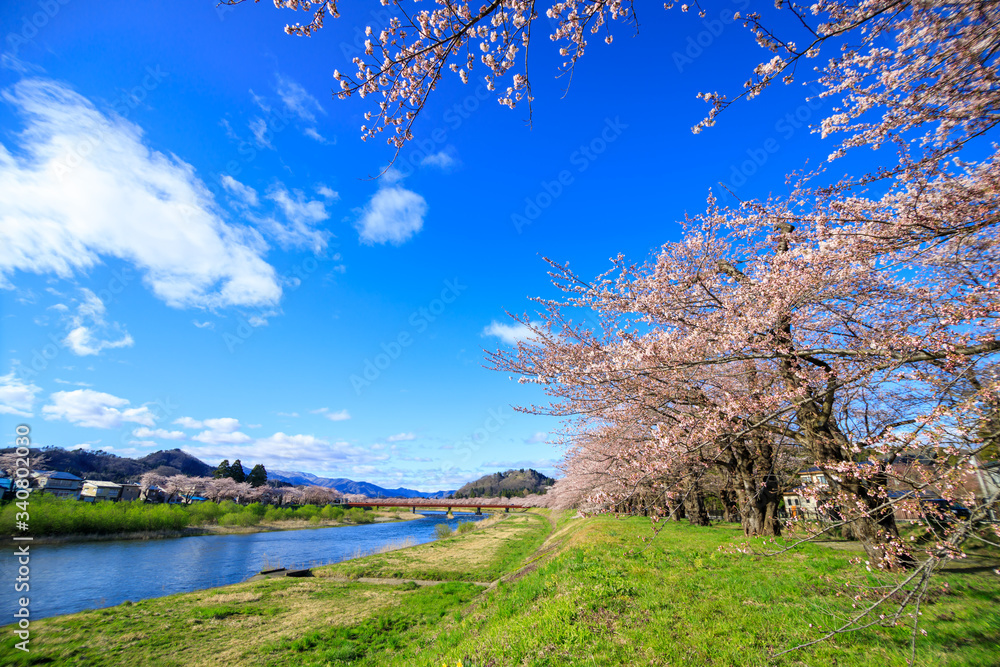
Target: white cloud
259, 128
312, 133
245, 193
94, 409
16, 396
222, 437
82, 186
537, 438
203, 325
260, 102
222, 424
283, 451
441, 159
338, 416
143, 432
298, 100
302, 215
288, 414
399, 437
75, 384
218, 431
327, 193
509, 333
88, 324
393, 215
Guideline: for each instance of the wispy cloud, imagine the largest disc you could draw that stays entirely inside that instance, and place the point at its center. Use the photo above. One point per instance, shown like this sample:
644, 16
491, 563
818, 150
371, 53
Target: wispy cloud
312, 133
400, 437
440, 159
338, 416
244, 193
16, 396
298, 100
334, 416
258, 126
143, 432
302, 214
89, 332
512, 334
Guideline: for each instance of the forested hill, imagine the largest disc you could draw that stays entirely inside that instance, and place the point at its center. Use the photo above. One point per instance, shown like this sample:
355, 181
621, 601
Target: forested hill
507, 484
111, 468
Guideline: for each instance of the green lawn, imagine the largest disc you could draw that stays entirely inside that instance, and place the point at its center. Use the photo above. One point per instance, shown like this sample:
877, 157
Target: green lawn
593, 594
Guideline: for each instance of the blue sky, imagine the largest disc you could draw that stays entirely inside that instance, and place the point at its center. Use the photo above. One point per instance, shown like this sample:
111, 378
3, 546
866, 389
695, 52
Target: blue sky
196, 253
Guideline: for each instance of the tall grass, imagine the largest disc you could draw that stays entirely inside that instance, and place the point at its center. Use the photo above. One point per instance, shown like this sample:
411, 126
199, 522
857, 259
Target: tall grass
50, 516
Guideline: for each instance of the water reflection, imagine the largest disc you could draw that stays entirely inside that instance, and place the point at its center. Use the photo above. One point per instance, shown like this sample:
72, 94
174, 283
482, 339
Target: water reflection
67, 578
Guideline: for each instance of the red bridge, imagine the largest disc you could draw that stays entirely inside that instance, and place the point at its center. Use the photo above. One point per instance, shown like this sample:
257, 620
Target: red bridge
449, 504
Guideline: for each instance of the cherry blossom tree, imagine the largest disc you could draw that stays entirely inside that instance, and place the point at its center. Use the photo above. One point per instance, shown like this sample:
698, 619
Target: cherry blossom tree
850, 324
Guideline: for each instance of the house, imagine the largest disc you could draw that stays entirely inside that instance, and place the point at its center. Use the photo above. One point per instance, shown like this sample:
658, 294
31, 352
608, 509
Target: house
799, 504
95, 490
981, 485
154, 494
59, 484
129, 492
6, 488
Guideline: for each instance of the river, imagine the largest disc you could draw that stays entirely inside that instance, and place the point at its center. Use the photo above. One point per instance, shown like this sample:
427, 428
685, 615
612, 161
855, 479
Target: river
67, 578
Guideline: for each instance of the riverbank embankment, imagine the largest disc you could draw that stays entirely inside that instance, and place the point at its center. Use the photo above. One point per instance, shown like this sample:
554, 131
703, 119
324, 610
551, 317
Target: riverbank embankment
563, 591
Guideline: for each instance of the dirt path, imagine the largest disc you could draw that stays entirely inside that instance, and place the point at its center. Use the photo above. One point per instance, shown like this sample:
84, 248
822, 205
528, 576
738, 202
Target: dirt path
388, 581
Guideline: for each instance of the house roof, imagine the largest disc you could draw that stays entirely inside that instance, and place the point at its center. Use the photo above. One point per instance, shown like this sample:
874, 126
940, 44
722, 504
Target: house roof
101, 483
54, 474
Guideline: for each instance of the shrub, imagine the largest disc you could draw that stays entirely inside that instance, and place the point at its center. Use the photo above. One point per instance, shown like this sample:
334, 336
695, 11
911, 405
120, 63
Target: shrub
442, 530
466, 527
358, 515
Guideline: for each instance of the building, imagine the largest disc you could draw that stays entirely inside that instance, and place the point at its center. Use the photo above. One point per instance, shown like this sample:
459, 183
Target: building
59, 484
95, 490
801, 505
129, 492
982, 484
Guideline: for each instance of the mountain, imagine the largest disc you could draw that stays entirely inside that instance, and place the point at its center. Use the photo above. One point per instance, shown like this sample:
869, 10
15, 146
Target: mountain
506, 484
178, 460
102, 465
350, 486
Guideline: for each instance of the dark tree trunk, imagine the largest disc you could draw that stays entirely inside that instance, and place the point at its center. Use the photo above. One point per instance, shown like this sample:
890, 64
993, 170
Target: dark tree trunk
756, 487
694, 505
677, 507
876, 526
730, 506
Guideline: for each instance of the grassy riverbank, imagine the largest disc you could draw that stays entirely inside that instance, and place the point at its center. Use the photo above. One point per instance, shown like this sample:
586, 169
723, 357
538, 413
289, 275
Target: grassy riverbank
56, 520
572, 592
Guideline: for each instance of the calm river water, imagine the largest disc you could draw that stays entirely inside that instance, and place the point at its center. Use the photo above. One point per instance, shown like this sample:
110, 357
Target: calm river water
67, 578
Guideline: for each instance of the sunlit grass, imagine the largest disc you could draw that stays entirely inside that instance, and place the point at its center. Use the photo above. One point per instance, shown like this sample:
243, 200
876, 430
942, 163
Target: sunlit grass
593, 594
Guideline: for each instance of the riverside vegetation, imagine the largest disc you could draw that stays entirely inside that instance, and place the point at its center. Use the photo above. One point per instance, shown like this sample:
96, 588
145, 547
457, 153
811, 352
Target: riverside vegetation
57, 518
568, 592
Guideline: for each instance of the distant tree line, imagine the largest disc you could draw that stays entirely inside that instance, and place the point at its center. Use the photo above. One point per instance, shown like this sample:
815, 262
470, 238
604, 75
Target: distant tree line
235, 472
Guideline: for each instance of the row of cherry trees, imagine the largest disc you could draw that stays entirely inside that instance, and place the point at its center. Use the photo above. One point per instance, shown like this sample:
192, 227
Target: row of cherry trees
848, 324
178, 487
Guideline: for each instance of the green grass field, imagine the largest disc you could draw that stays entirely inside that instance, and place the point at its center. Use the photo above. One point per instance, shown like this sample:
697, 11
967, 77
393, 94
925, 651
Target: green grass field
571, 592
